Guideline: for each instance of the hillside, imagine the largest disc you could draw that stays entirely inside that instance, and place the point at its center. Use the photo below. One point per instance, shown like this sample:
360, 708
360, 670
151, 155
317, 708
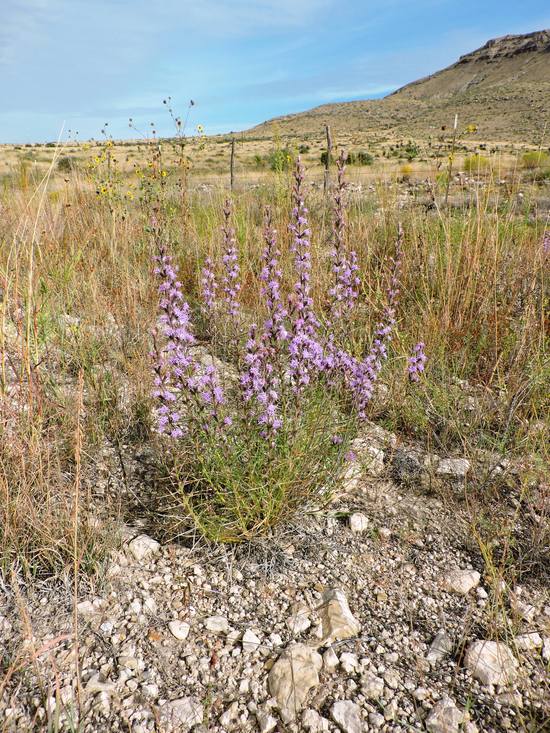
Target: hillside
502, 87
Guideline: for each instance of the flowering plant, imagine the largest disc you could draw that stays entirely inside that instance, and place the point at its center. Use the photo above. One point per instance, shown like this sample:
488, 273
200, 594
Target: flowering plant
272, 438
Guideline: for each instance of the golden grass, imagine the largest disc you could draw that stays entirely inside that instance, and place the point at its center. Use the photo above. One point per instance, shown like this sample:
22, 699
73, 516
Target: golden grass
78, 297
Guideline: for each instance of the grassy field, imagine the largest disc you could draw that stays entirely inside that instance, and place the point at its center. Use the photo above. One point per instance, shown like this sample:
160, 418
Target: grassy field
78, 304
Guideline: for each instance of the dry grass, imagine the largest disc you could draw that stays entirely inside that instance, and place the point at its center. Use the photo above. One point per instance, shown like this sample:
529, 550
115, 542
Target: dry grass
78, 298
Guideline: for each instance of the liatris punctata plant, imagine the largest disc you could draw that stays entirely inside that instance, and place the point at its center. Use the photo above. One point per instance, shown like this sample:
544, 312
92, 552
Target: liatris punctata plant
288, 432
183, 389
209, 287
345, 290
262, 378
231, 284
306, 352
416, 362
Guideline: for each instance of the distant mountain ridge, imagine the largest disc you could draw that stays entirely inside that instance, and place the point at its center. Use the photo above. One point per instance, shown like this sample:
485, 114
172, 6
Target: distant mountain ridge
502, 87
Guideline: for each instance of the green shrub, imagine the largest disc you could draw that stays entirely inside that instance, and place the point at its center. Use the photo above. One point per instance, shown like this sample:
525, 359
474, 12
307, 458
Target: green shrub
359, 158
259, 160
66, 164
281, 159
411, 150
476, 163
242, 488
535, 159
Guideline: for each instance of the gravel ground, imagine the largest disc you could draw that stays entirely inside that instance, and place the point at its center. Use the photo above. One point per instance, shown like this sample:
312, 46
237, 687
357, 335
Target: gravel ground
181, 637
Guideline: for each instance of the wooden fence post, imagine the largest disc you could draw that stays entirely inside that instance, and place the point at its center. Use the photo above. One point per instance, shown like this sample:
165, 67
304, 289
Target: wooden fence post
232, 163
328, 157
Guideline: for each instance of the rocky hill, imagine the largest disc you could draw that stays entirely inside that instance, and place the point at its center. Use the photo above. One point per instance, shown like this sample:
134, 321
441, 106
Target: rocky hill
503, 88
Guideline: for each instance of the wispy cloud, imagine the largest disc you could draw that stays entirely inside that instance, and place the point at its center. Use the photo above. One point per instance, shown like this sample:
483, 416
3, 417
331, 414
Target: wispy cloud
89, 61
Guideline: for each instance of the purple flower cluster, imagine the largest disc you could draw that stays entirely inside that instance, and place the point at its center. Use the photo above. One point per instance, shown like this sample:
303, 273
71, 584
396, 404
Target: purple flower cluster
209, 286
345, 290
361, 374
306, 353
416, 362
231, 284
261, 379
546, 243
173, 364
260, 382
178, 378
271, 284
289, 350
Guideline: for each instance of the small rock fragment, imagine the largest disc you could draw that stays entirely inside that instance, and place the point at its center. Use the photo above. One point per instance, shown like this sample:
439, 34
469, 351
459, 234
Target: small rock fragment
347, 715
299, 621
444, 717
330, 660
462, 581
251, 642
181, 715
143, 546
292, 676
441, 646
179, 629
266, 722
338, 622
376, 720
349, 662
358, 522
313, 722
529, 642
491, 662
453, 468
229, 717
217, 624
372, 686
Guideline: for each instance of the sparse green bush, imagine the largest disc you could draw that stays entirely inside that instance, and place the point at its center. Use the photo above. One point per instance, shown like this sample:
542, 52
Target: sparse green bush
476, 163
359, 158
535, 159
281, 159
66, 164
412, 150
238, 489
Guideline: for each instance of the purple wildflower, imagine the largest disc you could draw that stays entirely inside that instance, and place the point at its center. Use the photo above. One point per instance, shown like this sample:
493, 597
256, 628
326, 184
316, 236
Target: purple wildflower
209, 286
306, 353
344, 292
173, 364
231, 284
416, 362
546, 243
361, 375
261, 379
271, 278
178, 377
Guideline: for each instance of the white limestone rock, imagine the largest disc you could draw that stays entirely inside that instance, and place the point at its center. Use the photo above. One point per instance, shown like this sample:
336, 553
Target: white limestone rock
291, 678
491, 662
347, 716
338, 622
143, 546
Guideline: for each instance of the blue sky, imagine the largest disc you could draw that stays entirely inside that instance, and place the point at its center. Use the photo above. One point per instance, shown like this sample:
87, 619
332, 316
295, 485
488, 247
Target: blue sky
82, 63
